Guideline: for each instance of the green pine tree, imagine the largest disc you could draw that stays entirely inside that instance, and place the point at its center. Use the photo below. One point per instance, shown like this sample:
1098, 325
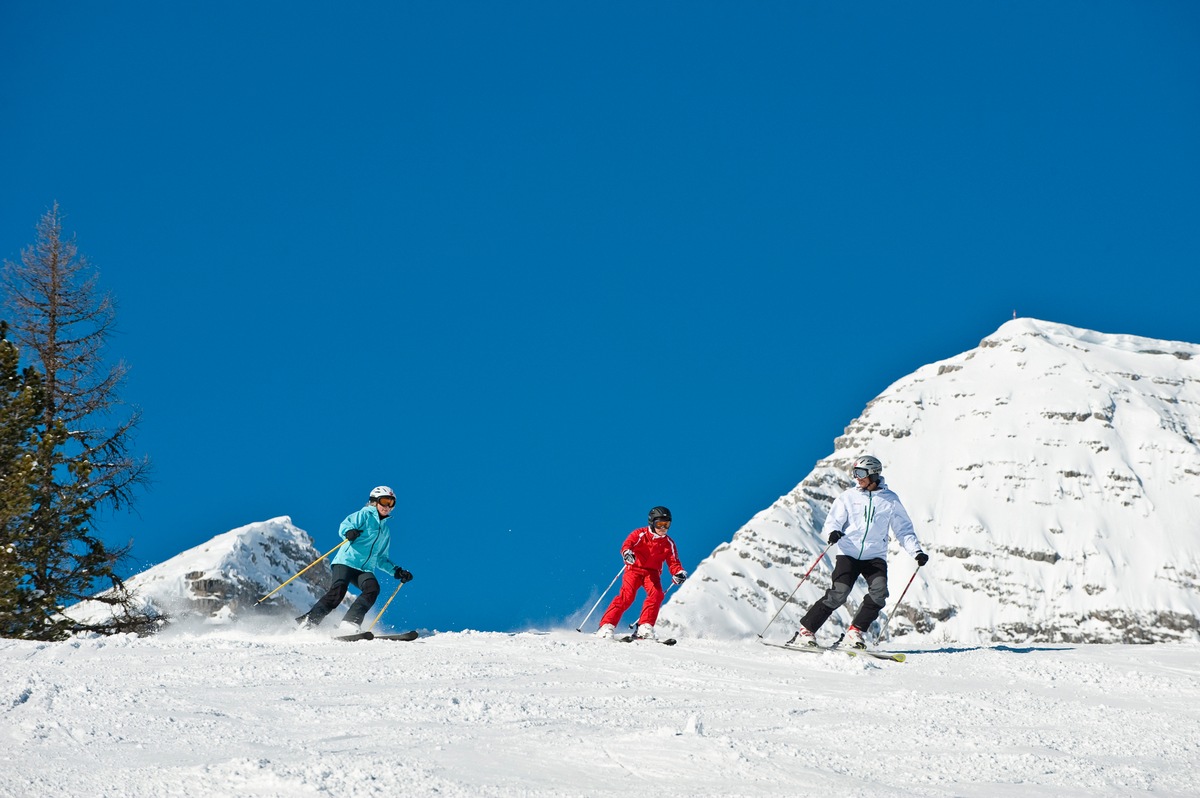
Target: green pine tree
22, 439
81, 461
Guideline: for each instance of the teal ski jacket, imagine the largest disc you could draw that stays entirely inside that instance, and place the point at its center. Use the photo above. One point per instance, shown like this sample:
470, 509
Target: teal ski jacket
369, 551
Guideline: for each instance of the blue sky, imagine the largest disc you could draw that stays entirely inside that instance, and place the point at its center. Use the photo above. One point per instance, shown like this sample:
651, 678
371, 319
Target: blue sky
541, 266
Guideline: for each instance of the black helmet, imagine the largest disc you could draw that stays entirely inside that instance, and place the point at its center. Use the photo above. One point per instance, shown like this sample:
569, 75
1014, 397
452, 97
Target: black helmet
659, 512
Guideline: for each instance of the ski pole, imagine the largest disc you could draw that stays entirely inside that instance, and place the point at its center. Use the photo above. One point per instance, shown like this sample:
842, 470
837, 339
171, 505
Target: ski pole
302, 570
385, 606
602, 595
803, 579
888, 619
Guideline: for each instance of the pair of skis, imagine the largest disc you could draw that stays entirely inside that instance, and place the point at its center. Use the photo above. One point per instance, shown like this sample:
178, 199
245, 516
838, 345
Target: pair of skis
372, 636
853, 652
670, 641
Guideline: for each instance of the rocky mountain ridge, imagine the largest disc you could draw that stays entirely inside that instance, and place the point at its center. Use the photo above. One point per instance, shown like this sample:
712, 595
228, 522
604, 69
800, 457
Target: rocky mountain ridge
224, 577
1053, 473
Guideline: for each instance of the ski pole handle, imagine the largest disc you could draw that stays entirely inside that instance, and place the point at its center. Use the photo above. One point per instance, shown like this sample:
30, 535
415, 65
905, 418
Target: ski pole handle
803, 579
602, 595
302, 570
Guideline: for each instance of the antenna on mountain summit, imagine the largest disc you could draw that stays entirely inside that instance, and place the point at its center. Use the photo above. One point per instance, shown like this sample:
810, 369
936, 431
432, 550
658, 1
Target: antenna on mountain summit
1014, 313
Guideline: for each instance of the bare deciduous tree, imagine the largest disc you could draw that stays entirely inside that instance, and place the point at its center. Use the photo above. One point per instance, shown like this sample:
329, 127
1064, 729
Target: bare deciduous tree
58, 314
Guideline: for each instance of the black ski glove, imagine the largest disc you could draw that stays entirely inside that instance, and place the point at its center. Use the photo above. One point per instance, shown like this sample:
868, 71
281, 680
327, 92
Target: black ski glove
351, 534
403, 575
922, 558
629, 556
679, 577
835, 536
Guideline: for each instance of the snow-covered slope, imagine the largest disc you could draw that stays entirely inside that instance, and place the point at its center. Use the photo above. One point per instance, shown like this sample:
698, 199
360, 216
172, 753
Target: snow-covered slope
225, 576
1053, 473
231, 713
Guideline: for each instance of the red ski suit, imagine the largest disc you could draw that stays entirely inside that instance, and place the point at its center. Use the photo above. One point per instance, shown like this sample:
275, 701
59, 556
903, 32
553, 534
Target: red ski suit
651, 552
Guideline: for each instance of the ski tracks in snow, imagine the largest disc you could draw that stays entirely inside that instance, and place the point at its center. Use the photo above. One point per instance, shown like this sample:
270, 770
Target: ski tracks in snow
475, 713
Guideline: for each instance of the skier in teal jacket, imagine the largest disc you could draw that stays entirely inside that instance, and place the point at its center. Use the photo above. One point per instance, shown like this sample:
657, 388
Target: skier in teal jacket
367, 542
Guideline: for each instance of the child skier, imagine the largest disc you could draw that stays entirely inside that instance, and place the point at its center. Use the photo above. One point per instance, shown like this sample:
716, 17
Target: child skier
368, 540
644, 552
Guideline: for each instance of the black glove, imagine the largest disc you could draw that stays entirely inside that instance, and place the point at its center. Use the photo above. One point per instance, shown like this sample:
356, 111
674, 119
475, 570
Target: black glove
922, 558
629, 556
835, 536
679, 577
351, 534
403, 575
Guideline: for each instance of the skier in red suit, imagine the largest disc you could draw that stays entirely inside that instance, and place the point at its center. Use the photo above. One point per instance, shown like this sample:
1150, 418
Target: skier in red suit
644, 552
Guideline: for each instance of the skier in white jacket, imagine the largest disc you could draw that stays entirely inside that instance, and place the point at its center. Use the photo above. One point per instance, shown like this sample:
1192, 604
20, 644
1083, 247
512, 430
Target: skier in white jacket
859, 523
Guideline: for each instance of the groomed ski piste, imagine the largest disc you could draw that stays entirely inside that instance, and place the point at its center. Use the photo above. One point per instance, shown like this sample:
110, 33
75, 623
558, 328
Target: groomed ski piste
235, 711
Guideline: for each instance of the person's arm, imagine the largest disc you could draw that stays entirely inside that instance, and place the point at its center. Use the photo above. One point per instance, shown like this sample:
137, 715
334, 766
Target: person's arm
674, 565
627, 548
352, 523
903, 531
836, 520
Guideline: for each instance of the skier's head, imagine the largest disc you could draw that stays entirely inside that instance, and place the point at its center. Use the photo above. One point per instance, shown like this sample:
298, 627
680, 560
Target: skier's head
660, 520
866, 470
384, 499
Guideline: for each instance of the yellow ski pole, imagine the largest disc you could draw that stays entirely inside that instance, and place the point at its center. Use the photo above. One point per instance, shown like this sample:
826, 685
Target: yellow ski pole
385, 606
302, 570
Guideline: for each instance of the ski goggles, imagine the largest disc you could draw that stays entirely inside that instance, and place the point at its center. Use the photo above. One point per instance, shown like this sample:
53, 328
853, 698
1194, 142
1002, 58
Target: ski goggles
861, 473
661, 524
388, 503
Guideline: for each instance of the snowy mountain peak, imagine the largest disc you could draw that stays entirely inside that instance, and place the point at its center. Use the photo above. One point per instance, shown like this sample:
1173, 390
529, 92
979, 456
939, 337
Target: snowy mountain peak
228, 574
1053, 474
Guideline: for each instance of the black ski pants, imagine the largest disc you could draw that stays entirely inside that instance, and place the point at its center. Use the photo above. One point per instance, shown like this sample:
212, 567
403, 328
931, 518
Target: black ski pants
846, 571
343, 577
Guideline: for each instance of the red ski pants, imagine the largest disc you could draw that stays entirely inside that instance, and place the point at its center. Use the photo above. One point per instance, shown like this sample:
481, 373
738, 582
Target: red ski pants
636, 578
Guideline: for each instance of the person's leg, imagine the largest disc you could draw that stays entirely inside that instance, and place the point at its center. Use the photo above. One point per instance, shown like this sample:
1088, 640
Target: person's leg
654, 598
343, 575
624, 598
875, 572
845, 571
368, 587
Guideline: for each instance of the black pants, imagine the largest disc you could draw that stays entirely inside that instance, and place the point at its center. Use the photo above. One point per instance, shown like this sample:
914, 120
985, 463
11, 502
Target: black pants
847, 570
343, 577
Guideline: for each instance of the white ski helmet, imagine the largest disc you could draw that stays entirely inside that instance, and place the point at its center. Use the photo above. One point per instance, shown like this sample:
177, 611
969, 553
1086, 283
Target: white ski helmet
381, 491
870, 463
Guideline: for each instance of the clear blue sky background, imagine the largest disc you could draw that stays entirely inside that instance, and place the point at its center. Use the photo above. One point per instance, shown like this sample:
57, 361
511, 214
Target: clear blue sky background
541, 266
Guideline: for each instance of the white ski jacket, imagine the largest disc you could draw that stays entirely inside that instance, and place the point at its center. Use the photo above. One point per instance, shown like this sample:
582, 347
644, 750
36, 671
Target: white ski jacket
866, 517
